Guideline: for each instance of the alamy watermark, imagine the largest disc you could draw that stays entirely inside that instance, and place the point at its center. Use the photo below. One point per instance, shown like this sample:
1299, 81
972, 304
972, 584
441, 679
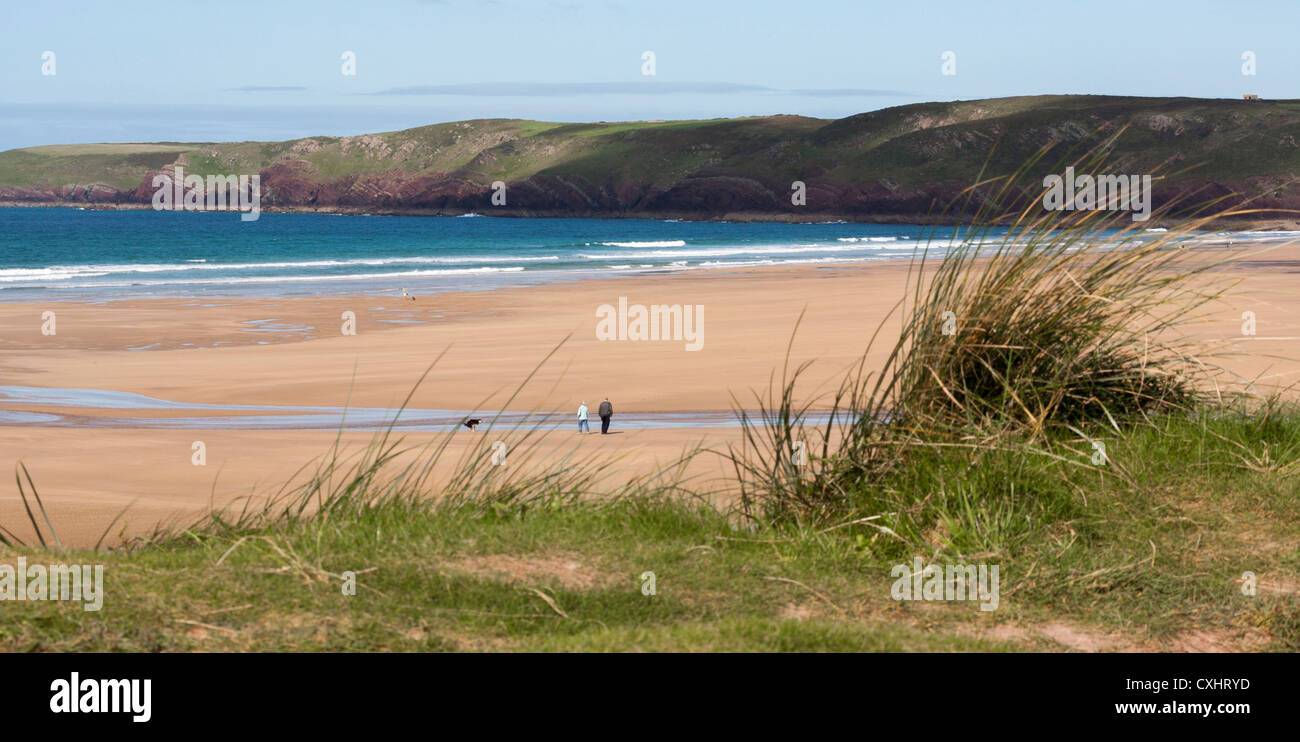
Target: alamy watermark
948, 66
80, 582
78, 695
955, 582
183, 192
657, 322
1097, 193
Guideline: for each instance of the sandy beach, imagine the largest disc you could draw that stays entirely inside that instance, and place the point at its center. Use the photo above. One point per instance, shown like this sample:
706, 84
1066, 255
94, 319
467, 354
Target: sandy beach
294, 353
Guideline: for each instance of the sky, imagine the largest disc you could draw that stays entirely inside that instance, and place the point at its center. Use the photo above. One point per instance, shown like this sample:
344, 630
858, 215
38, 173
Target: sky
130, 71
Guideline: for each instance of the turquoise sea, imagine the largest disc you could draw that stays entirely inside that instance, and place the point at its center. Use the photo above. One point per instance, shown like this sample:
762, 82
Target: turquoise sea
69, 253
57, 253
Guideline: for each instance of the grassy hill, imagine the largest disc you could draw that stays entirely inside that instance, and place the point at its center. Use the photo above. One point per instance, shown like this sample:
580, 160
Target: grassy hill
892, 163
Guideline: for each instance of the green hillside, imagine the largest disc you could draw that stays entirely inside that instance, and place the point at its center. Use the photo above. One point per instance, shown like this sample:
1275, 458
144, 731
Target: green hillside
896, 161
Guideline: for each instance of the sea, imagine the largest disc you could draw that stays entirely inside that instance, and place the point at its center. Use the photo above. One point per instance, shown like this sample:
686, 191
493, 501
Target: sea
89, 254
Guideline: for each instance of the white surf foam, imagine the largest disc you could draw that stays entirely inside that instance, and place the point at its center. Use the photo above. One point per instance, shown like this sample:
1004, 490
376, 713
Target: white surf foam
650, 243
299, 279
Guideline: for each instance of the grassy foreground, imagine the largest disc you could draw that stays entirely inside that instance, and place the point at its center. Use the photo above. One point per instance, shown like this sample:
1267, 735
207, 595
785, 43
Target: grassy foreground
1144, 553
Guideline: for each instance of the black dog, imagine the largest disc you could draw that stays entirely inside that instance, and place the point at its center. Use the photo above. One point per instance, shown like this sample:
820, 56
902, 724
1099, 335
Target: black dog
472, 423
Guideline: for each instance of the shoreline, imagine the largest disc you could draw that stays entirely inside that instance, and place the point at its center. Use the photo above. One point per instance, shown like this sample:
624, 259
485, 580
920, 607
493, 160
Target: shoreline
926, 219
308, 318
472, 257
264, 322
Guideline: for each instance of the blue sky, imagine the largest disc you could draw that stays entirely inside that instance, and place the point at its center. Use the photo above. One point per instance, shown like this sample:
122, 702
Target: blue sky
190, 71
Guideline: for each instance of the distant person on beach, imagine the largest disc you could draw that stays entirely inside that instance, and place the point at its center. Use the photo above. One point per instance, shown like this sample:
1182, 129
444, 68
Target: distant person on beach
582, 418
606, 411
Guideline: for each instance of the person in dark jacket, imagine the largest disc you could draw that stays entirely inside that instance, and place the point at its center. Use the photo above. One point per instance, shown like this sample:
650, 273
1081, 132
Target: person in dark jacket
606, 411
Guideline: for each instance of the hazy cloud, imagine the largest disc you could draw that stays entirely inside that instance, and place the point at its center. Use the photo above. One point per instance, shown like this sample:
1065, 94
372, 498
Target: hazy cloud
845, 92
561, 89
266, 89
